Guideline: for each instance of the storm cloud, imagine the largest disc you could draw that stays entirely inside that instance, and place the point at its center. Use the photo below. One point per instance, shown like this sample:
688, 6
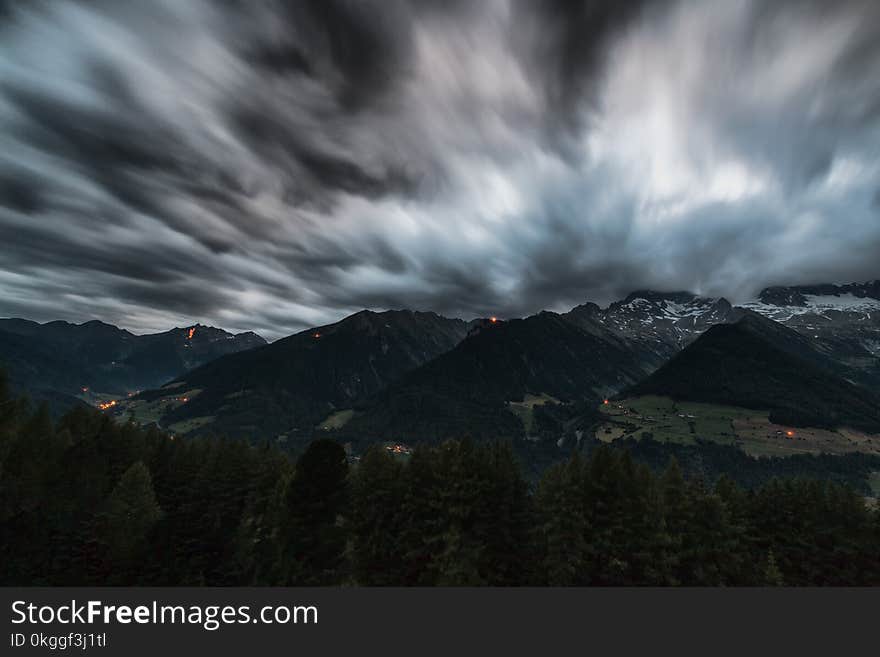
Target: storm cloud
276, 165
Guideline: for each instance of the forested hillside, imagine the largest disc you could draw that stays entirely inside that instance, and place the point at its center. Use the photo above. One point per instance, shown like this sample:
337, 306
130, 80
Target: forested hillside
70, 365
465, 392
760, 364
284, 389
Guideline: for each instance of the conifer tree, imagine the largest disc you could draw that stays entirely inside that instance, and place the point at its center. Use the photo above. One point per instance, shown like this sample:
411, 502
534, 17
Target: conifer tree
772, 574
315, 527
123, 525
561, 525
376, 519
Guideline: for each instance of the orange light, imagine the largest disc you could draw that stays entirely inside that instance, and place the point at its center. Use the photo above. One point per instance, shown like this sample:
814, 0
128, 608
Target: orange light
605, 402
493, 319
789, 433
105, 405
191, 333
316, 336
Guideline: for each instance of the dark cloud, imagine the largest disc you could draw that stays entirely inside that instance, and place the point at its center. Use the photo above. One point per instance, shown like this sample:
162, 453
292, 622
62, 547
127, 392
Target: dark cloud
279, 59
357, 49
313, 173
21, 192
276, 165
570, 45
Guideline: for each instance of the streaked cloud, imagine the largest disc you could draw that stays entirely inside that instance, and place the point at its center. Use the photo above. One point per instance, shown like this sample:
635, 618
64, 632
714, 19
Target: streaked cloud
271, 166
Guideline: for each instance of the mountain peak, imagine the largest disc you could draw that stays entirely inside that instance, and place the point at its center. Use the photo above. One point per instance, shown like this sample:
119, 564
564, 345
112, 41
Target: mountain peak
657, 297
806, 295
760, 364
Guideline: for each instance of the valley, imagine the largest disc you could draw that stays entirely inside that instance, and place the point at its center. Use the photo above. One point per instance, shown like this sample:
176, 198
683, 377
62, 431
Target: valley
678, 368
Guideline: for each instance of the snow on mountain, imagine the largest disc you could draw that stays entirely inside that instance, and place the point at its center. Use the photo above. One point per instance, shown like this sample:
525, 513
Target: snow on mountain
819, 305
659, 323
841, 321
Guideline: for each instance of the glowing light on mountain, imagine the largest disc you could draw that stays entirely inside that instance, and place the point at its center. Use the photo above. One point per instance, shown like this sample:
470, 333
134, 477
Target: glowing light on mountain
191, 333
107, 405
493, 319
316, 336
789, 433
606, 402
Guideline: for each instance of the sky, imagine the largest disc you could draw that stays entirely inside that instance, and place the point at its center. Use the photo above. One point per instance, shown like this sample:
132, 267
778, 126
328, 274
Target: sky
271, 166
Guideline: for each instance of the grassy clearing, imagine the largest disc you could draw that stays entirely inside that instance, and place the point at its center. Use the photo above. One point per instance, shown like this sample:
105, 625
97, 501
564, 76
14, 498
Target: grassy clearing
336, 420
685, 422
189, 425
530, 400
524, 409
760, 437
148, 411
668, 421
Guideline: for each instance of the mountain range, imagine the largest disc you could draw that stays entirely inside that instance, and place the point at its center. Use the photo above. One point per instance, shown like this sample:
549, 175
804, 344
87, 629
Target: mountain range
409, 376
841, 321
757, 363
469, 390
61, 362
288, 387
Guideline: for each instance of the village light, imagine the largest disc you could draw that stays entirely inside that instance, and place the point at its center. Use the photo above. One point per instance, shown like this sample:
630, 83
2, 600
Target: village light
493, 319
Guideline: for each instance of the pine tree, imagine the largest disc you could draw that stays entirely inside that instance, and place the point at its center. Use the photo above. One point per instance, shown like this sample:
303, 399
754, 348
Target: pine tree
124, 524
676, 509
772, 574
376, 519
561, 525
317, 499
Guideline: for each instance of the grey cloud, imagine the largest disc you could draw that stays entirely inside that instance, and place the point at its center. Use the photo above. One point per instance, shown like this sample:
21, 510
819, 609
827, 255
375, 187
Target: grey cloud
272, 166
21, 192
568, 44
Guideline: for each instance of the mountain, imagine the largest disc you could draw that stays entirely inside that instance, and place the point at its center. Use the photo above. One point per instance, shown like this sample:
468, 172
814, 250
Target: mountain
659, 324
286, 388
489, 385
842, 321
760, 364
409, 375
94, 357
44, 372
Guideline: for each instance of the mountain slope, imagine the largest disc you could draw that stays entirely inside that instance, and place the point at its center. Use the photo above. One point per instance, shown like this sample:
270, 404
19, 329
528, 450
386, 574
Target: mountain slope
469, 390
841, 321
289, 386
658, 324
757, 363
67, 358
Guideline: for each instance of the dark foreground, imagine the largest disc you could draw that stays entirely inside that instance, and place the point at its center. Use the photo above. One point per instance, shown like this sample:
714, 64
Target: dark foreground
92, 502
